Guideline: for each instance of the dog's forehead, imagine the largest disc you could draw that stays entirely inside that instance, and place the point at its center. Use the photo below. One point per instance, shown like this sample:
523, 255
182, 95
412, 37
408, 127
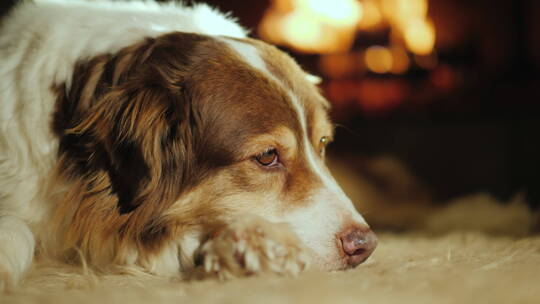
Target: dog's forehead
289, 83
249, 88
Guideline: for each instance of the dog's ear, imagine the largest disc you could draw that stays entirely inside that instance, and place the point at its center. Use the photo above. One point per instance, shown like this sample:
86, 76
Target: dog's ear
128, 127
141, 133
130, 115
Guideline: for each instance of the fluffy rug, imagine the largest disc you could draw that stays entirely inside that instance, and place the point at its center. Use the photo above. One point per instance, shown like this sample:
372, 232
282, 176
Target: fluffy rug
464, 267
471, 250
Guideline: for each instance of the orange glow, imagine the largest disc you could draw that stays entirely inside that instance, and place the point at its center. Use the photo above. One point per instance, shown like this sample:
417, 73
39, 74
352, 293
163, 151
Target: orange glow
336, 12
443, 78
283, 5
301, 30
313, 26
399, 12
409, 19
420, 36
268, 26
371, 17
330, 27
401, 61
428, 62
338, 65
380, 96
378, 59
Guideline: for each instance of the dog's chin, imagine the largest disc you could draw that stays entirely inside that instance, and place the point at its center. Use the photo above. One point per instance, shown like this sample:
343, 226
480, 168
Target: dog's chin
330, 260
335, 261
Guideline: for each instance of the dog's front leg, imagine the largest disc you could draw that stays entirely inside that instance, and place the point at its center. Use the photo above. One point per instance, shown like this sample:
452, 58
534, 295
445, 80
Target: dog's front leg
16, 250
252, 245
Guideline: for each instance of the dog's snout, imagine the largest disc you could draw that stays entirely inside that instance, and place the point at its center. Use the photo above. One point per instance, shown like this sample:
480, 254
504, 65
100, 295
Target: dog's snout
358, 244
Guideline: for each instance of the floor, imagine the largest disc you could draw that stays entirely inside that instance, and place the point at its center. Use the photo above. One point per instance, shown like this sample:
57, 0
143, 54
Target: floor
470, 250
459, 267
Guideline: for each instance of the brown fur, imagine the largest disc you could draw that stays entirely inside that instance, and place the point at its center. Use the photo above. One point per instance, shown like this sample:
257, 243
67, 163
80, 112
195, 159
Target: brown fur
140, 128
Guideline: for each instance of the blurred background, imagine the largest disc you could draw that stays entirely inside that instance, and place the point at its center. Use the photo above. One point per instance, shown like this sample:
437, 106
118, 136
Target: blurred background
434, 99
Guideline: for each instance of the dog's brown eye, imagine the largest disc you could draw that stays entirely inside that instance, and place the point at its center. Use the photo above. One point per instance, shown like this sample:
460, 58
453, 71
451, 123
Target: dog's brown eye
268, 158
323, 143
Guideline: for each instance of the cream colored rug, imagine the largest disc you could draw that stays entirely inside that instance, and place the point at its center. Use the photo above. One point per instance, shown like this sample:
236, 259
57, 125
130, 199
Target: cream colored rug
471, 250
463, 267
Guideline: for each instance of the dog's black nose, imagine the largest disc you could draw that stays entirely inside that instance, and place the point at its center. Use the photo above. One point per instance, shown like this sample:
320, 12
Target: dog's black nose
358, 244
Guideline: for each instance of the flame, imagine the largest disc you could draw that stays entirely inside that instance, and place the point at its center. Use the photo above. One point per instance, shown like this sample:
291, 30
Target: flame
371, 17
315, 26
330, 26
300, 29
400, 60
400, 12
419, 36
378, 59
340, 13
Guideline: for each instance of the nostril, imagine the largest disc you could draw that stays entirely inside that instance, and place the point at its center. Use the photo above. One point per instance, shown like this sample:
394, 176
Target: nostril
355, 242
359, 251
358, 244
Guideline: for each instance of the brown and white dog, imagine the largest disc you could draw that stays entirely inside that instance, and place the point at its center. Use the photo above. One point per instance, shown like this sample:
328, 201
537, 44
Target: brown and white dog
159, 137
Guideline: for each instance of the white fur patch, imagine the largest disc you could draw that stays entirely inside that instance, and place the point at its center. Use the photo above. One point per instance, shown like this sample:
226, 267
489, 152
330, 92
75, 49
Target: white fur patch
16, 250
250, 54
188, 244
314, 79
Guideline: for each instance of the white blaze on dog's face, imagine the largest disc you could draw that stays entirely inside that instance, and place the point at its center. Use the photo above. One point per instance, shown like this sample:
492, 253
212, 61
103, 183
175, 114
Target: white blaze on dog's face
280, 172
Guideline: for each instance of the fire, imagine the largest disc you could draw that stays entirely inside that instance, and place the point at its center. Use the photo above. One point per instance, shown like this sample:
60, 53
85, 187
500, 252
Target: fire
313, 26
379, 59
371, 17
399, 12
326, 27
419, 36
299, 28
339, 13
400, 60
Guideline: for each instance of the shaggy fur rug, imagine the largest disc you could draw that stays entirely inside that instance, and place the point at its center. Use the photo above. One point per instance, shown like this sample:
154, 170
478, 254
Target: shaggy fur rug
471, 250
459, 267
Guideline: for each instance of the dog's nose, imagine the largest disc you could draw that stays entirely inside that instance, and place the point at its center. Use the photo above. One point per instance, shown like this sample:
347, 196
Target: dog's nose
358, 244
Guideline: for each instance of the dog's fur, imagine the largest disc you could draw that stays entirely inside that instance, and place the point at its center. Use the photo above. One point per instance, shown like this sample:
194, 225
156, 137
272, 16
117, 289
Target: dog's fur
129, 137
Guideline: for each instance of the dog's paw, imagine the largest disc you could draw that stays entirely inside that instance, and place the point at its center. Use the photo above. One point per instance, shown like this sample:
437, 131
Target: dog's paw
16, 250
253, 245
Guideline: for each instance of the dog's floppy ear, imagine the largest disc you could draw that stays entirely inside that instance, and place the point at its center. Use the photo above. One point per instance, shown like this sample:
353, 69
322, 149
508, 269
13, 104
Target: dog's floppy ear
142, 137
130, 115
127, 126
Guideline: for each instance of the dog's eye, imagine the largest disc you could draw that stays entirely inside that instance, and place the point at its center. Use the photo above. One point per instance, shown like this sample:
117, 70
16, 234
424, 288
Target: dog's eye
323, 142
268, 158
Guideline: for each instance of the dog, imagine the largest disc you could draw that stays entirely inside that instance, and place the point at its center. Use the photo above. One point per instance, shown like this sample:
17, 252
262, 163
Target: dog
160, 137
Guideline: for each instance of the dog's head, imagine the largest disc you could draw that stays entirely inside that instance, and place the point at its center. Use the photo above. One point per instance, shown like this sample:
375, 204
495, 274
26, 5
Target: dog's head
182, 133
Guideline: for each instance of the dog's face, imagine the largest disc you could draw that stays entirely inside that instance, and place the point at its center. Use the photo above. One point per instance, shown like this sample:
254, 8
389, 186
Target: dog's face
205, 130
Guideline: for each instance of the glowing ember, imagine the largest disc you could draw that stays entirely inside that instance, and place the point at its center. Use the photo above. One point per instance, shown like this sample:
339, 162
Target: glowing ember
341, 13
400, 12
400, 60
330, 27
313, 26
300, 29
420, 36
371, 17
379, 59
339, 65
